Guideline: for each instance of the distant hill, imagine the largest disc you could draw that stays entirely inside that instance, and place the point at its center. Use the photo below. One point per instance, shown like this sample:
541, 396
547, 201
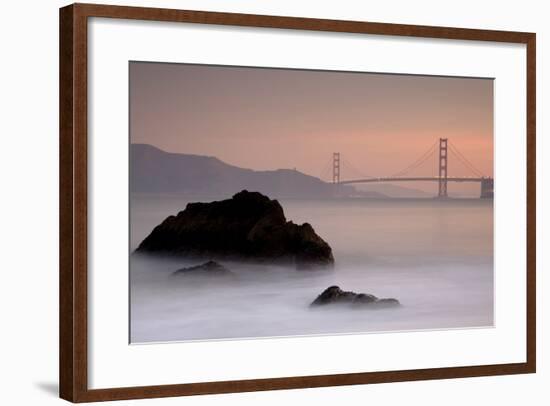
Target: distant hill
153, 170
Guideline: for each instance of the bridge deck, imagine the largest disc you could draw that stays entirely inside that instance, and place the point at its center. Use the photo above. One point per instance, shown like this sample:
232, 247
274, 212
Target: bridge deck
412, 179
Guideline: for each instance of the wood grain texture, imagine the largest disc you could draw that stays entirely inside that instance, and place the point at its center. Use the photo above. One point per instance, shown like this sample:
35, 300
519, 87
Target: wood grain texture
73, 198
66, 130
531, 174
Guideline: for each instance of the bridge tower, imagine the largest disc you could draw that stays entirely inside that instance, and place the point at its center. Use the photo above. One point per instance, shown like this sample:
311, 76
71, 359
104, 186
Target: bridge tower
443, 167
335, 167
487, 188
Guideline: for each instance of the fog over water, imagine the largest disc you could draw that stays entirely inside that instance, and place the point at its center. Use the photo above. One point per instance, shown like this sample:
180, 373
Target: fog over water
435, 257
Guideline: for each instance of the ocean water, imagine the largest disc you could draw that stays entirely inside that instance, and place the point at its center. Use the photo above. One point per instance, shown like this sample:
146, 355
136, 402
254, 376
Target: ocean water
435, 257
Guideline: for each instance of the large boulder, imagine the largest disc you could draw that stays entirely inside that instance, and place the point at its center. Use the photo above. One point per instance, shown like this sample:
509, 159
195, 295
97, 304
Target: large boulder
249, 226
335, 295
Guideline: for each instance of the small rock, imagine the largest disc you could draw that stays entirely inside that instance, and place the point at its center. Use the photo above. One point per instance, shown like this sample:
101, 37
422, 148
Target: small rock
386, 302
210, 268
335, 295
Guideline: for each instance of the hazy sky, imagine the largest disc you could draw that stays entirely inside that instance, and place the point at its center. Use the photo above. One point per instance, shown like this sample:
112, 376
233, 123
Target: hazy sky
274, 118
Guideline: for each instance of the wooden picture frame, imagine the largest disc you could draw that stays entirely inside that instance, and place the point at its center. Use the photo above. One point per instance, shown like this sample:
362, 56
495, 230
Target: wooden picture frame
74, 201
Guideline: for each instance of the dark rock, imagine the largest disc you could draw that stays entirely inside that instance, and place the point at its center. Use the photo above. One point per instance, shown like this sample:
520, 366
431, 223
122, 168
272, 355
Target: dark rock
364, 298
386, 302
249, 226
210, 268
335, 295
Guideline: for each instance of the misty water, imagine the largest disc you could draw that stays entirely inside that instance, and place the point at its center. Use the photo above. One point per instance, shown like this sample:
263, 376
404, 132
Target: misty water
435, 257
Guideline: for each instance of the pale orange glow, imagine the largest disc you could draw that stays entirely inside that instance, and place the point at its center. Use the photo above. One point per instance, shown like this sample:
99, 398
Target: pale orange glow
274, 118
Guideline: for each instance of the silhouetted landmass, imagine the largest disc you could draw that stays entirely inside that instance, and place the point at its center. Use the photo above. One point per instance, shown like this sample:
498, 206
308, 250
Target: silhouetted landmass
249, 226
335, 295
155, 171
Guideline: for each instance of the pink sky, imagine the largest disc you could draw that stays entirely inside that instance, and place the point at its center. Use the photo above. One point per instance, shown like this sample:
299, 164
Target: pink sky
277, 118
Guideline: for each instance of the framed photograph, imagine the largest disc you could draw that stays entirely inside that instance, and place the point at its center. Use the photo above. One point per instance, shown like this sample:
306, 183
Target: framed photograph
255, 202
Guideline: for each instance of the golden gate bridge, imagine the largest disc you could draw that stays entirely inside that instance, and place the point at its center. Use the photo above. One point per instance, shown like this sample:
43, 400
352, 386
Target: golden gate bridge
443, 147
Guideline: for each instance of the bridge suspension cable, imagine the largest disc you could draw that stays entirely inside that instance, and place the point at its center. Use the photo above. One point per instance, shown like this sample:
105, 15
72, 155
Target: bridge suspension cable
353, 172
454, 150
348, 166
423, 158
